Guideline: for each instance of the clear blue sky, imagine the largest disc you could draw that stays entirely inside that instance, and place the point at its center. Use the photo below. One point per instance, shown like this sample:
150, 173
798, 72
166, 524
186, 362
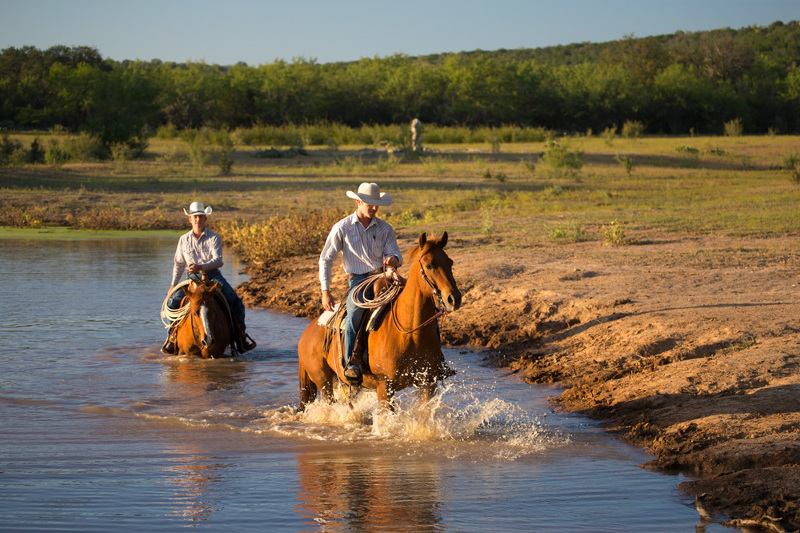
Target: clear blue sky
228, 31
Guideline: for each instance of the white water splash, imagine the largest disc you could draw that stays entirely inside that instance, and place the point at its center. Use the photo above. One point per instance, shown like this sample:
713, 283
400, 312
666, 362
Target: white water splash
463, 420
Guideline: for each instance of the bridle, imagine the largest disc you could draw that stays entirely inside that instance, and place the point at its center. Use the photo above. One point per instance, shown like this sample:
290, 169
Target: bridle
437, 295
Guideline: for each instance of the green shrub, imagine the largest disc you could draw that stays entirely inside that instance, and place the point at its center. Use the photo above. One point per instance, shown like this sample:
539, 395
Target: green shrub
609, 134
121, 153
614, 234
627, 162
562, 160
734, 128
280, 236
167, 132
632, 129
36, 155
225, 162
8, 148
792, 162
572, 232
55, 155
84, 147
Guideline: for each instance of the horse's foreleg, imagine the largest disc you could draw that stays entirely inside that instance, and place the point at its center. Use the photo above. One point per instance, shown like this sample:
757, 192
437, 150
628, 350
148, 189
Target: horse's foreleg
426, 391
385, 391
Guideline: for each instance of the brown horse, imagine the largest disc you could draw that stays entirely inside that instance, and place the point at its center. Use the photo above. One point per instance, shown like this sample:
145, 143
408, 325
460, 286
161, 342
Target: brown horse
405, 349
205, 330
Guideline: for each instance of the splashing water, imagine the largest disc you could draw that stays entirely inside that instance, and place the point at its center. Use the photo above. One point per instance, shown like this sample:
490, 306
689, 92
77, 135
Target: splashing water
464, 418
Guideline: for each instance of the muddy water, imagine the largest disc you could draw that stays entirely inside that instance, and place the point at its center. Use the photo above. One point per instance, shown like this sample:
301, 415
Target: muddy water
100, 432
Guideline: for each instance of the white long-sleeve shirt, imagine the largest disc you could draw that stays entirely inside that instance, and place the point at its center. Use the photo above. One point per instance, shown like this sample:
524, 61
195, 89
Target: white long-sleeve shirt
205, 251
363, 249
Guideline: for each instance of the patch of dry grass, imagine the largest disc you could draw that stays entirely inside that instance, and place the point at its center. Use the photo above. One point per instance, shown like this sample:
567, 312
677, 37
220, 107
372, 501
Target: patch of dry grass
687, 185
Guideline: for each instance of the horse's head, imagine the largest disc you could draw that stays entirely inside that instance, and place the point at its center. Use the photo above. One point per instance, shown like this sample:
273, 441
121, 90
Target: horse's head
436, 269
202, 303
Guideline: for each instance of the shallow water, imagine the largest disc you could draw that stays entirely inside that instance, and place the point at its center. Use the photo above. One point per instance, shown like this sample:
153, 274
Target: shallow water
100, 431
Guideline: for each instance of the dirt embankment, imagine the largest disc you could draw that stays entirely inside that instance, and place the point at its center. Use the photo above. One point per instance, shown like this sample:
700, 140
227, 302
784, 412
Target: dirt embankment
689, 348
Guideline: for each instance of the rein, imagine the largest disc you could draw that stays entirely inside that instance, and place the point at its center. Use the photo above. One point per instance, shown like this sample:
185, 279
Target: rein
439, 308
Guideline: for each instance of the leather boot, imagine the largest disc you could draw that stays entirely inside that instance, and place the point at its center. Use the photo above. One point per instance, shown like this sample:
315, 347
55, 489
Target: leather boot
169, 347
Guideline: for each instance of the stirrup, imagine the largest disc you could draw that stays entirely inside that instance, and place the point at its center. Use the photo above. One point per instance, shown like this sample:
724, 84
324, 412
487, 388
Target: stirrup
246, 343
168, 347
353, 375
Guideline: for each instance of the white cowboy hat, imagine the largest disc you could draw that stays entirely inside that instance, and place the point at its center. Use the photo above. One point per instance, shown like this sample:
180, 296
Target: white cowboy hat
197, 208
371, 194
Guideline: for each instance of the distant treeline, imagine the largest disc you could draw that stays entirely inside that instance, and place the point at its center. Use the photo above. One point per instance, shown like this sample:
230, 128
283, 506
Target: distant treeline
671, 84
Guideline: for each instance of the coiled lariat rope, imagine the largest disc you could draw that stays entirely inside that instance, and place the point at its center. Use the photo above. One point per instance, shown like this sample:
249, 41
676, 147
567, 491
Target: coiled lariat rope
173, 316
358, 293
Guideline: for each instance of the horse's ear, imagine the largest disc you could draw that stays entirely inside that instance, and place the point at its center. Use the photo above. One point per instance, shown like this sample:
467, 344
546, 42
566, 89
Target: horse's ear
192, 286
214, 286
443, 240
423, 238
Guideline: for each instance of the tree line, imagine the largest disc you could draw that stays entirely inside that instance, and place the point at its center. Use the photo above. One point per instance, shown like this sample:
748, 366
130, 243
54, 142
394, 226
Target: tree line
674, 84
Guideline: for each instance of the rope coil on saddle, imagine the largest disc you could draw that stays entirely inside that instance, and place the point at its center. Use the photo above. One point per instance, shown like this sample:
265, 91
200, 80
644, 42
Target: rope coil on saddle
358, 294
173, 316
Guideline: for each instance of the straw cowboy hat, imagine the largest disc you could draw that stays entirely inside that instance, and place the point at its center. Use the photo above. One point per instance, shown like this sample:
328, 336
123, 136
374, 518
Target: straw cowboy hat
371, 194
197, 208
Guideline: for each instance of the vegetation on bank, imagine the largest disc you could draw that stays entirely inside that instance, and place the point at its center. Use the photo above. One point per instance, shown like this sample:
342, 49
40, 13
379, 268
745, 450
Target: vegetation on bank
608, 189
673, 84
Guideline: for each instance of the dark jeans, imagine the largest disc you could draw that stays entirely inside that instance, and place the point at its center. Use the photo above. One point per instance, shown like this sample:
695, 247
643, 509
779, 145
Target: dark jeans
235, 303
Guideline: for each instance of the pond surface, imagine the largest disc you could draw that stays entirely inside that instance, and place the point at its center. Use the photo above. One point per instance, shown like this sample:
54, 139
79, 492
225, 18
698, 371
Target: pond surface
99, 431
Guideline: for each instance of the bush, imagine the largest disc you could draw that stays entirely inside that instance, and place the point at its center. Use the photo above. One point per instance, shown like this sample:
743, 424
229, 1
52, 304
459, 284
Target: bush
85, 147
792, 162
627, 162
286, 236
167, 132
614, 234
8, 149
563, 160
36, 155
632, 129
55, 155
734, 128
225, 162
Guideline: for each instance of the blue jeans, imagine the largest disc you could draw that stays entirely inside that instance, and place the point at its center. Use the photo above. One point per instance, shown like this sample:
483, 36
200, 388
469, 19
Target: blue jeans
354, 316
235, 303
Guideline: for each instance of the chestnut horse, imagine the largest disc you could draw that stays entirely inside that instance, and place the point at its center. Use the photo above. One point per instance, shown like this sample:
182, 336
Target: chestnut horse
205, 329
405, 349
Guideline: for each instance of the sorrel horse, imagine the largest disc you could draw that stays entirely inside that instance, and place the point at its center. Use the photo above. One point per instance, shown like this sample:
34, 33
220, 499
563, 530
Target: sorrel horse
405, 349
205, 329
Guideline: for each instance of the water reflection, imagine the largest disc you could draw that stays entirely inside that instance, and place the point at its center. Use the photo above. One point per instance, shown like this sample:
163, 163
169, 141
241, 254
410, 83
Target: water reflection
196, 478
199, 376
374, 492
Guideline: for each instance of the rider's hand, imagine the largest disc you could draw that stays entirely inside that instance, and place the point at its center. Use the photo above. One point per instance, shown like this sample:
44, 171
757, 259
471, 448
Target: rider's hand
391, 261
327, 300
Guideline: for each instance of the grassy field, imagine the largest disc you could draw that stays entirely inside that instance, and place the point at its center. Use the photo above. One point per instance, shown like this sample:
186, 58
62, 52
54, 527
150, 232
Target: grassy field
580, 188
